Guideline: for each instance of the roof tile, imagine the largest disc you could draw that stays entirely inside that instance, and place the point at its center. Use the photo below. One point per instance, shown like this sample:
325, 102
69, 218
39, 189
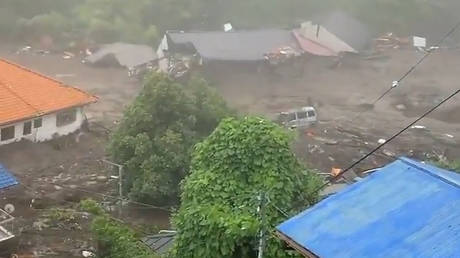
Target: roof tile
25, 94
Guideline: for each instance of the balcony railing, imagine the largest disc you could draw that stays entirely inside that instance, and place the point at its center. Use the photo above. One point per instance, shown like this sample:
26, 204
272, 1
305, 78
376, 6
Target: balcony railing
6, 226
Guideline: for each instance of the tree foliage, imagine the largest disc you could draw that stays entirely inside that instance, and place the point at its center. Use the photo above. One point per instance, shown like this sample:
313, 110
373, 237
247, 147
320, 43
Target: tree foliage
114, 239
240, 160
143, 21
118, 241
114, 20
157, 133
390, 16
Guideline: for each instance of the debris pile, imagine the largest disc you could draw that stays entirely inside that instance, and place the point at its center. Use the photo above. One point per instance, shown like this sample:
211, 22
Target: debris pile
178, 69
390, 41
281, 55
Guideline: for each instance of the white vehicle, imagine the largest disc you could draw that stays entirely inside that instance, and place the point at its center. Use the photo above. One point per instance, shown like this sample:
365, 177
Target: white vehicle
298, 118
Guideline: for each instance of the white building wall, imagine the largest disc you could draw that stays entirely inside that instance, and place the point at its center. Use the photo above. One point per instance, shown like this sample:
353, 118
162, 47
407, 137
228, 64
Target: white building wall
163, 62
48, 129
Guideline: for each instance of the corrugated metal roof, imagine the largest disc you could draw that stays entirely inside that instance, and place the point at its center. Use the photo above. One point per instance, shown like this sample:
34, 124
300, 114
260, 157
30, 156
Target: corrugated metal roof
406, 209
6, 179
160, 243
234, 46
313, 47
317, 40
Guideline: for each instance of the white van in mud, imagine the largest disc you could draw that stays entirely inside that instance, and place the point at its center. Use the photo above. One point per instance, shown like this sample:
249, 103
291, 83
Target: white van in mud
298, 118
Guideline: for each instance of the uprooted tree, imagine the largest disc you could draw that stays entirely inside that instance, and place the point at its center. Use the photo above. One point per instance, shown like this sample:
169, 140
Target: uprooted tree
242, 160
155, 138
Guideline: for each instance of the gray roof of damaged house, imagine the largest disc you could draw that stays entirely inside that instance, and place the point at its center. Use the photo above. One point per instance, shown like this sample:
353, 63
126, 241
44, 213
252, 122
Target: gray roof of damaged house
232, 46
127, 55
160, 243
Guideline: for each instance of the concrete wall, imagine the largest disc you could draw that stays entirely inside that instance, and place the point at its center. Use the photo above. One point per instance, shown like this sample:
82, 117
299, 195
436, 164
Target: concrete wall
47, 130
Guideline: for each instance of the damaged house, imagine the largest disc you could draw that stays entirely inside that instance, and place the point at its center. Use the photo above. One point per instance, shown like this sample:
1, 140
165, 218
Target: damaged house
317, 40
347, 28
218, 47
332, 35
37, 108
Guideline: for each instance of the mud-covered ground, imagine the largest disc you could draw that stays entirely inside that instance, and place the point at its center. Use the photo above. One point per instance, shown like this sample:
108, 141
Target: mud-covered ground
59, 174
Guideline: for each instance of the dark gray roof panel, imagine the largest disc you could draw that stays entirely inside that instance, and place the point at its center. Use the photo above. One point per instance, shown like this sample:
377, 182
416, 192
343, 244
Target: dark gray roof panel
233, 46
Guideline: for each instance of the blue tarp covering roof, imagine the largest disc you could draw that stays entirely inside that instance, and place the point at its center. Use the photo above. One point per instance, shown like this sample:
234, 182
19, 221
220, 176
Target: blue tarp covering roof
6, 179
406, 209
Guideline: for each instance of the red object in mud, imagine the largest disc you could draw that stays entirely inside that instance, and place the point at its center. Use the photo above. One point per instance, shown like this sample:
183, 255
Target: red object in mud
309, 133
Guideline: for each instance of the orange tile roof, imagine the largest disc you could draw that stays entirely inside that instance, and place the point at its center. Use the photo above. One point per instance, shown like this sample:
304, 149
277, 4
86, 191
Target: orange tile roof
26, 94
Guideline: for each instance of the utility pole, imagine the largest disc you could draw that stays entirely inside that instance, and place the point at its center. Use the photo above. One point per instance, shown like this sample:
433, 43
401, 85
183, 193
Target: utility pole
120, 183
261, 210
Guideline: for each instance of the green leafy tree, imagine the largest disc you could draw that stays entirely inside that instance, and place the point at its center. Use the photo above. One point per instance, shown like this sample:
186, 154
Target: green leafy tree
118, 241
158, 131
114, 20
53, 24
240, 160
114, 239
390, 15
151, 35
143, 21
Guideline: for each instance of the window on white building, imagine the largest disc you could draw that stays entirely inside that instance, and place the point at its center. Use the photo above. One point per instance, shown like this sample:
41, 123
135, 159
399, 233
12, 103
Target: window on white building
7, 133
66, 117
27, 128
38, 123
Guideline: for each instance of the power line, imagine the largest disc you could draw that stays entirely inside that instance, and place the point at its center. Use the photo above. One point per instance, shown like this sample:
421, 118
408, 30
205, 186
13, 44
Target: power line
113, 197
103, 195
88, 191
428, 53
281, 211
389, 140
72, 203
316, 190
66, 162
411, 69
371, 152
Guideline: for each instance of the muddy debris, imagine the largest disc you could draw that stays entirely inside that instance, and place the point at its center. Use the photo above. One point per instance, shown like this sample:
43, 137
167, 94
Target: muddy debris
401, 107
41, 224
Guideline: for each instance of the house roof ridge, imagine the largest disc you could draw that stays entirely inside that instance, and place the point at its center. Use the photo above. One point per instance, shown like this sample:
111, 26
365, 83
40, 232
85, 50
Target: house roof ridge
415, 164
